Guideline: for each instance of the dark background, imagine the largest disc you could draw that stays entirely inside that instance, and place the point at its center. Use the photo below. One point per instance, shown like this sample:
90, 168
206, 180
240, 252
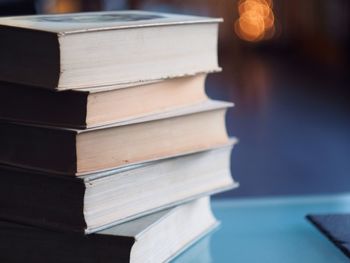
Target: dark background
289, 82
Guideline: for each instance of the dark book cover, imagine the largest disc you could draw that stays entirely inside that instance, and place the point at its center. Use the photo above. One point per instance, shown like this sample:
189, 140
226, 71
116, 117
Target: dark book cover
336, 227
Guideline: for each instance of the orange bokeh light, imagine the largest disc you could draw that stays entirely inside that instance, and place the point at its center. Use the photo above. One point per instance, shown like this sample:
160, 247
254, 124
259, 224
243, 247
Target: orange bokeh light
256, 20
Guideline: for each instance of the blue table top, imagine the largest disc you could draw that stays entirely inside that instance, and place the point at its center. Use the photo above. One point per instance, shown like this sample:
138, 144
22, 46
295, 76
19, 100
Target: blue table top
269, 230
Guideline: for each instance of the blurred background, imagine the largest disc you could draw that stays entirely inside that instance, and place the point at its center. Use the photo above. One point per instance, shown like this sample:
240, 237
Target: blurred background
286, 68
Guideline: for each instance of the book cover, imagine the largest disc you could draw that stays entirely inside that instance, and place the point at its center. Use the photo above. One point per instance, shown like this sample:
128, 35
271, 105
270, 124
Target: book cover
100, 21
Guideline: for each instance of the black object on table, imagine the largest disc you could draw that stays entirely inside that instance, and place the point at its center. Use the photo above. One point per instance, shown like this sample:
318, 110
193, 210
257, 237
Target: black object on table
336, 227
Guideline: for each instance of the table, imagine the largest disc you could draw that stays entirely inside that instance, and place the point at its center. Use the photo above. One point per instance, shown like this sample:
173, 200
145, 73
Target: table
269, 230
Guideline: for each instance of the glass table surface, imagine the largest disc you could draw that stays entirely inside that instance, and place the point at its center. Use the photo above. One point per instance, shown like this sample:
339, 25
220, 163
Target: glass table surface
269, 230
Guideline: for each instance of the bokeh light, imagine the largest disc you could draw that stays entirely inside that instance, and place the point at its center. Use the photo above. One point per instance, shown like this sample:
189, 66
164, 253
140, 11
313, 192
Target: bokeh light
256, 20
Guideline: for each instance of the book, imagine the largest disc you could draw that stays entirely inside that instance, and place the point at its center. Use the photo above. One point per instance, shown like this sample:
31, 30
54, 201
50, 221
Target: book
335, 227
96, 201
82, 151
72, 51
158, 237
87, 108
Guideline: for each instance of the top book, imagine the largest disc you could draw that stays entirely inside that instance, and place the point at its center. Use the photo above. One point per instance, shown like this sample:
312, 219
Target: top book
72, 51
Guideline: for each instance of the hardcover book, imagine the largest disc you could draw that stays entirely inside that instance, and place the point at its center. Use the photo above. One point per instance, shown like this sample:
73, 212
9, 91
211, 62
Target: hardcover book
82, 151
97, 201
87, 108
158, 237
72, 51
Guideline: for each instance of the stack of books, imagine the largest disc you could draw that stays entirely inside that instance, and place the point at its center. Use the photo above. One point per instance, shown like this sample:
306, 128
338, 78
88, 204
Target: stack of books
109, 146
